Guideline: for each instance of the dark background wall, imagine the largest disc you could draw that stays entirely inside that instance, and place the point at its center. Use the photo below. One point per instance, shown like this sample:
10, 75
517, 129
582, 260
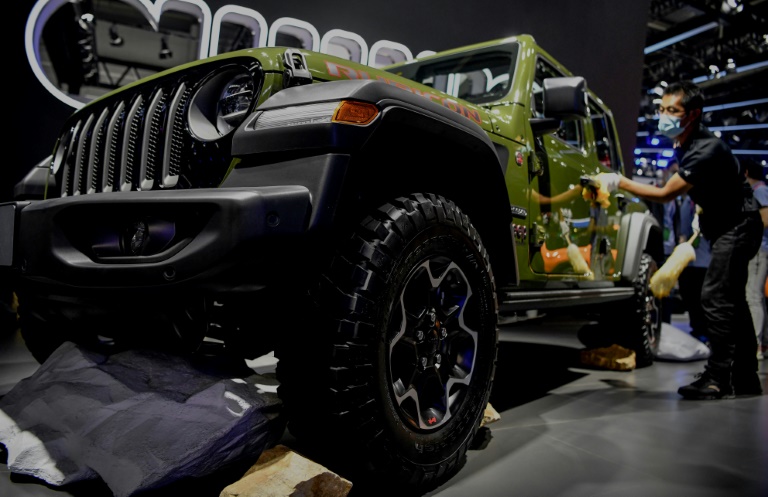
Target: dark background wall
602, 40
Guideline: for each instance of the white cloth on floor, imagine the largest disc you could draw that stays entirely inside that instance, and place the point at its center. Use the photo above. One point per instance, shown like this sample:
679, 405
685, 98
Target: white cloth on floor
678, 345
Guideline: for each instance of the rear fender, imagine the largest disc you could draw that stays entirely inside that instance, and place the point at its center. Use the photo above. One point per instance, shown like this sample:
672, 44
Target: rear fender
640, 233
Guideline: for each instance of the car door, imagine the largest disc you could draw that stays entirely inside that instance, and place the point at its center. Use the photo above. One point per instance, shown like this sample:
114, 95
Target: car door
603, 156
560, 217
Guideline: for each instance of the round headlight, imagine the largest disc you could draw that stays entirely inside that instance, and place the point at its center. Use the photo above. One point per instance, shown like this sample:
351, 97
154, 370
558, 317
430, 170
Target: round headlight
234, 102
221, 104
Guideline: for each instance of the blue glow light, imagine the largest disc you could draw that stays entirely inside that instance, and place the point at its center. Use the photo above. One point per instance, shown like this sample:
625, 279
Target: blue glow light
638, 151
668, 153
748, 67
680, 37
662, 163
654, 141
745, 103
750, 152
738, 127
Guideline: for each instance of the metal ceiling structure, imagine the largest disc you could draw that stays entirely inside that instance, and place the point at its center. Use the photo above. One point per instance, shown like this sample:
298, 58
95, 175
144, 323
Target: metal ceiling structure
722, 45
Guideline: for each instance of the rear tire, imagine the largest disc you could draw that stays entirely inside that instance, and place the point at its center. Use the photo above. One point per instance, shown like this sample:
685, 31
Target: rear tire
639, 319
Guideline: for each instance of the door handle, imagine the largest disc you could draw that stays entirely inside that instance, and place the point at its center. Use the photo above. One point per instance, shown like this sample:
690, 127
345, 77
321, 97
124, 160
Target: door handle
621, 200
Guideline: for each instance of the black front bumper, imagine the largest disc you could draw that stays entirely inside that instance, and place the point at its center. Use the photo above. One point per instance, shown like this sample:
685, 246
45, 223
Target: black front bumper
131, 240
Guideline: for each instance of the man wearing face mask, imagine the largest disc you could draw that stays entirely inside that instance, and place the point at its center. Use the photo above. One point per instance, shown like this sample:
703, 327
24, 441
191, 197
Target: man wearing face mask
729, 219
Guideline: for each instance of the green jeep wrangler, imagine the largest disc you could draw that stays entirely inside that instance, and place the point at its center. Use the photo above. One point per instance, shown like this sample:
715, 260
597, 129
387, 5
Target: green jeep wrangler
368, 225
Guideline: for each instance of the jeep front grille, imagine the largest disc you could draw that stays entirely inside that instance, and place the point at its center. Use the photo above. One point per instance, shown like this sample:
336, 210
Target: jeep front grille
122, 147
137, 139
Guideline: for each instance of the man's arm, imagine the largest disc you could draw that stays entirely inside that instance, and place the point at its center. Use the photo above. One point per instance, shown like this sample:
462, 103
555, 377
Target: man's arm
674, 187
761, 194
764, 216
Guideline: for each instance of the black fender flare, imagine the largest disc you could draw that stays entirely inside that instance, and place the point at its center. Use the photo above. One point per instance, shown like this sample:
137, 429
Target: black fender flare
410, 128
253, 137
640, 232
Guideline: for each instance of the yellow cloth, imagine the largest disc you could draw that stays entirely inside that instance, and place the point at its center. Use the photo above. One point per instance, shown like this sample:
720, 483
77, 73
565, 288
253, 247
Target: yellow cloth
603, 196
665, 278
578, 262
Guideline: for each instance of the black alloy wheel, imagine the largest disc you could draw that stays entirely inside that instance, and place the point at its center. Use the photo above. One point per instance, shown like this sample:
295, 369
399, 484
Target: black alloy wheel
395, 373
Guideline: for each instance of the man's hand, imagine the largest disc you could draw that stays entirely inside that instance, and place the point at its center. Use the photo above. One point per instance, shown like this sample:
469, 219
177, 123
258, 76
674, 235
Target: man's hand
609, 181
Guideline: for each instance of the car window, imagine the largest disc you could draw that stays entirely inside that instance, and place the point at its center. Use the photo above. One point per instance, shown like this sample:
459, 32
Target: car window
480, 76
570, 132
602, 127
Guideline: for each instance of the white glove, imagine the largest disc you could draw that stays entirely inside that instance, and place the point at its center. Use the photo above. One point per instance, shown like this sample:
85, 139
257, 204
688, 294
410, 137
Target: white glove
609, 181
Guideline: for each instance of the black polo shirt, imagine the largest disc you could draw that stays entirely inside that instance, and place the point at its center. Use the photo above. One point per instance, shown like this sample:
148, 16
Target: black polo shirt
720, 187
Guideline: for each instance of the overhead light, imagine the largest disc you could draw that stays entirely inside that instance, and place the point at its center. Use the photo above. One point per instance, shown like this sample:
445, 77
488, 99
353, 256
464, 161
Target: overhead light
86, 22
114, 37
730, 66
165, 52
731, 7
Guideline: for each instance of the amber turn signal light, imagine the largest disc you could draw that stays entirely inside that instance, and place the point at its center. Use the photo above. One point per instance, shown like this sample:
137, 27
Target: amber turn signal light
350, 112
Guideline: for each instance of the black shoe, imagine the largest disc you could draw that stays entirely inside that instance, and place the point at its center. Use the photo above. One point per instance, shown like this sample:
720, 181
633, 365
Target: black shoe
706, 387
747, 384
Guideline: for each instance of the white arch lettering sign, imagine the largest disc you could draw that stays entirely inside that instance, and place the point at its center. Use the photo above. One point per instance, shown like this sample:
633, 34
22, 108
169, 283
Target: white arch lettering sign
336, 41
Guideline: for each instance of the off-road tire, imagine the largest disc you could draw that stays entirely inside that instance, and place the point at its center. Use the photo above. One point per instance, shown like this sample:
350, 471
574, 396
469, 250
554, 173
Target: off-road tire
638, 321
337, 374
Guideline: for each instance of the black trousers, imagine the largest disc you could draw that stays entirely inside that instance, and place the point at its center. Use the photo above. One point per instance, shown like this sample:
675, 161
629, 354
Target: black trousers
724, 300
691, 282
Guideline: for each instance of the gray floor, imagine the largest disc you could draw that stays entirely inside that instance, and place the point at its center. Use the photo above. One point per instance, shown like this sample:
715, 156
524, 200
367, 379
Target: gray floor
564, 430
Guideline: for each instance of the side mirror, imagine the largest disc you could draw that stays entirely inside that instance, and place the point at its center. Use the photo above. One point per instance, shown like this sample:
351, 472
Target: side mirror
544, 125
565, 98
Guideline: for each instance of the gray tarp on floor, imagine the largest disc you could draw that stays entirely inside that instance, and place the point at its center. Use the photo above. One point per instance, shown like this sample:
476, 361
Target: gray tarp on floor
136, 419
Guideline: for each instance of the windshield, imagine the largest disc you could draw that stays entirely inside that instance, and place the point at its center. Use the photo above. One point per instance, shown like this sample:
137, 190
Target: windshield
478, 76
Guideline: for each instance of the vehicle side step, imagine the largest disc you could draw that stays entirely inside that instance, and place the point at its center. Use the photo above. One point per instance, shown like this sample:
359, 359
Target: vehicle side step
547, 299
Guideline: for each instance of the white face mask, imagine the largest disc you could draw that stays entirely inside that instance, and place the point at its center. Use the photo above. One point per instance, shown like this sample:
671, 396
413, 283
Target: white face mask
670, 126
